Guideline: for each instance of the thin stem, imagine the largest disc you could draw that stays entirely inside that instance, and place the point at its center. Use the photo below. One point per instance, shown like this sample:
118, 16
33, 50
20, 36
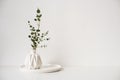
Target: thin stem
38, 24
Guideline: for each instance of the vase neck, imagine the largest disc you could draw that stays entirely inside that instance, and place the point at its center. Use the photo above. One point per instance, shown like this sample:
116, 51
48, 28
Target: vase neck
34, 51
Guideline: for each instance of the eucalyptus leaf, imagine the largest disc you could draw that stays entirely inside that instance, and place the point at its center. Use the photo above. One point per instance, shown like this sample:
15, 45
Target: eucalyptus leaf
28, 21
35, 19
38, 10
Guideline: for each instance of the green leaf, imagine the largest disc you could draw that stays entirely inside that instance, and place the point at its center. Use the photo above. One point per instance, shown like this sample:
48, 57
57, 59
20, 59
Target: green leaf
28, 21
38, 10
36, 39
41, 46
42, 34
30, 25
32, 33
32, 45
38, 30
35, 19
32, 40
47, 39
47, 32
38, 19
29, 36
41, 40
38, 34
44, 46
33, 29
39, 15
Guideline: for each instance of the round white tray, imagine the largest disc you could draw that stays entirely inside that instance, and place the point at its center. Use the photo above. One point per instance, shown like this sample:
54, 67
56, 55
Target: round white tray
48, 68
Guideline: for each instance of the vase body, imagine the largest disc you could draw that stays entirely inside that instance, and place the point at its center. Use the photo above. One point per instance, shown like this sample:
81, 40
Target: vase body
33, 60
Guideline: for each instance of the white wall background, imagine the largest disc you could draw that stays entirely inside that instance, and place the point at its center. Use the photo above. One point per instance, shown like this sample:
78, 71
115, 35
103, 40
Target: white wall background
83, 32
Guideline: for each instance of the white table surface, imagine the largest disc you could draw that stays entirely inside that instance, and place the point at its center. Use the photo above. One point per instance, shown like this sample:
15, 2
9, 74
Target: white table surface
68, 73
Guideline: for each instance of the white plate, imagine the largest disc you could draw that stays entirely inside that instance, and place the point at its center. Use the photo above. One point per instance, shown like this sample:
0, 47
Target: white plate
48, 68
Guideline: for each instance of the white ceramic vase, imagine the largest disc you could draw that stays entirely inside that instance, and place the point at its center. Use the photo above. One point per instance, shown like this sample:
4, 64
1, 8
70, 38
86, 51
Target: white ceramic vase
33, 60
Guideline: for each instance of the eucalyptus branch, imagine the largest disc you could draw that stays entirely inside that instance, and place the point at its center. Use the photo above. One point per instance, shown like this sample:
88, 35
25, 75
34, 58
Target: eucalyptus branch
36, 36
